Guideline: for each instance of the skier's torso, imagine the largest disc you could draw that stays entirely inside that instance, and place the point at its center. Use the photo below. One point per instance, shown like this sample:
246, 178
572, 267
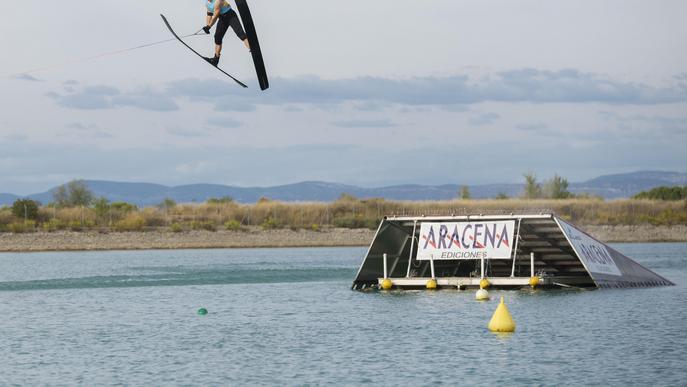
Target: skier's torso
224, 6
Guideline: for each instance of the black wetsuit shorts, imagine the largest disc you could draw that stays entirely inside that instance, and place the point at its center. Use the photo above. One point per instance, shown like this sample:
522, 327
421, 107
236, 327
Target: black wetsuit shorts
226, 20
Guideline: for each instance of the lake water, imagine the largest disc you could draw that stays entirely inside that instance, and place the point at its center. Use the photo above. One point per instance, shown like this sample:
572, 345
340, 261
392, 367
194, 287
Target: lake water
288, 317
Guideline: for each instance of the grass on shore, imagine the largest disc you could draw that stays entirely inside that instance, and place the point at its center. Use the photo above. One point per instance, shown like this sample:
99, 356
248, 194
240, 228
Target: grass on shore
346, 212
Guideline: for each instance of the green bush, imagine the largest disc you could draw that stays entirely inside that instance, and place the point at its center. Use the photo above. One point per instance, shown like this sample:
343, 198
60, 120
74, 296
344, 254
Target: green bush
102, 207
123, 207
176, 227
75, 225
664, 193
264, 200
132, 222
153, 217
269, 224
25, 209
222, 200
167, 204
350, 221
22, 227
6, 217
203, 225
54, 225
233, 225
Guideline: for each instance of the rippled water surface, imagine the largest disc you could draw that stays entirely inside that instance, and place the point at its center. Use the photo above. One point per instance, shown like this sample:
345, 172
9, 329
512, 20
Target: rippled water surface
287, 317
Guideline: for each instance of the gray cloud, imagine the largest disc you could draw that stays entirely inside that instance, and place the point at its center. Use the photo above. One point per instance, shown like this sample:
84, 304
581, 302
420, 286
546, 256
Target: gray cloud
484, 119
91, 130
649, 124
293, 108
526, 85
224, 122
101, 90
534, 127
455, 108
234, 105
15, 137
107, 97
89, 98
370, 106
145, 101
452, 93
27, 77
537, 129
181, 132
82, 126
364, 124
84, 101
200, 89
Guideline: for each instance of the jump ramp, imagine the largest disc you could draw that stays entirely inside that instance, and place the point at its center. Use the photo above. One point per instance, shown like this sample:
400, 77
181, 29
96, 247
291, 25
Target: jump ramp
507, 250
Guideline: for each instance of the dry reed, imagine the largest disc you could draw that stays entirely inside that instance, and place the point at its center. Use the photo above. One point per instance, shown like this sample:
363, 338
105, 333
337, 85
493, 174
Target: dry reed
351, 213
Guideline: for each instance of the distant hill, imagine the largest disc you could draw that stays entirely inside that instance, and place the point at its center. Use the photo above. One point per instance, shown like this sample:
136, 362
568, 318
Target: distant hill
146, 194
629, 184
7, 198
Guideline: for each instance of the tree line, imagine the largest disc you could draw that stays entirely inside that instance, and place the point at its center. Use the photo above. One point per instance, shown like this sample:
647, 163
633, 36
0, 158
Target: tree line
75, 207
553, 188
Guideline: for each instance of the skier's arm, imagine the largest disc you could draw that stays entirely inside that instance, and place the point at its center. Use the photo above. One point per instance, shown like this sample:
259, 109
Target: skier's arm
215, 16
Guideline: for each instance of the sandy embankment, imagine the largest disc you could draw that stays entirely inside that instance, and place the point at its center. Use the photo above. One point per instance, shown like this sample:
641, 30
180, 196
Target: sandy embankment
93, 240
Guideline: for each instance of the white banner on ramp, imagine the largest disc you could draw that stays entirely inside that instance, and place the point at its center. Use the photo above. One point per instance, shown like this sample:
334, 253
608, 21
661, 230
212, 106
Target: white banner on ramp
594, 254
466, 240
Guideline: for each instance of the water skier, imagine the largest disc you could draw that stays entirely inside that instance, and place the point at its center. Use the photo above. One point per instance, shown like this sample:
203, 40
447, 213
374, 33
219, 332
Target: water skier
220, 11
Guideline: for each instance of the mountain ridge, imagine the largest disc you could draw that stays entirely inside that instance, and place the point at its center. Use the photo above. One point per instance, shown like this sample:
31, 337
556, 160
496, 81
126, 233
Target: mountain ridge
146, 194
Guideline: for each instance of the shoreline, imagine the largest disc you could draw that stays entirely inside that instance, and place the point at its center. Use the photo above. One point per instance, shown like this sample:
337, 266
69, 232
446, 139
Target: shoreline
197, 239
257, 238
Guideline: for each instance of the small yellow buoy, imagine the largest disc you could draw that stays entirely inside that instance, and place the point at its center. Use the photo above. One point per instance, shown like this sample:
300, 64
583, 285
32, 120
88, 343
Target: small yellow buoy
501, 321
534, 281
482, 295
484, 283
432, 284
387, 284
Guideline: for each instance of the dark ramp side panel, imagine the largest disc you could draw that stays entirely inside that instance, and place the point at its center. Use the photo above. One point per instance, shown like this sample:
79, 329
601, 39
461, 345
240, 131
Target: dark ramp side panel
608, 267
634, 274
391, 239
249, 26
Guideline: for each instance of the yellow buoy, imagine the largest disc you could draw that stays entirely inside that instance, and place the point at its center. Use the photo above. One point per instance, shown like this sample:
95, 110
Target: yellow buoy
431, 284
534, 281
501, 321
482, 295
387, 284
484, 283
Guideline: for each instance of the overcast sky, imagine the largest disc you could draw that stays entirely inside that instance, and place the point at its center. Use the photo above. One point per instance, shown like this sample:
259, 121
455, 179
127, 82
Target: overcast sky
362, 92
